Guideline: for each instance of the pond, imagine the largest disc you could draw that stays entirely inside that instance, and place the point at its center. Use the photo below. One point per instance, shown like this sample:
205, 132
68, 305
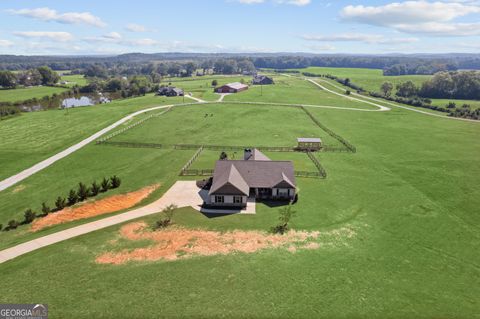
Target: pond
69, 101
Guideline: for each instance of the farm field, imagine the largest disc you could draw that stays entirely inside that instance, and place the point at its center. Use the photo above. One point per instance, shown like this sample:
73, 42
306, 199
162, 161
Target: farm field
398, 218
205, 125
32, 137
369, 79
22, 94
76, 79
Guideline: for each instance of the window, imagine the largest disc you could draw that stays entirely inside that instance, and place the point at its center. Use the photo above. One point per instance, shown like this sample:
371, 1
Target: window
219, 199
237, 199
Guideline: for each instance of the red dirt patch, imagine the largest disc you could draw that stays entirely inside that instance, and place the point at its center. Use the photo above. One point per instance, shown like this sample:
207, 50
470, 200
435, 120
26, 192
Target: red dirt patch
90, 209
176, 243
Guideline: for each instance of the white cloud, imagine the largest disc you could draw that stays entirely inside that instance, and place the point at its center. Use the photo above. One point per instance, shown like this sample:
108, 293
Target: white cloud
133, 27
359, 37
54, 36
5, 43
47, 14
423, 17
117, 39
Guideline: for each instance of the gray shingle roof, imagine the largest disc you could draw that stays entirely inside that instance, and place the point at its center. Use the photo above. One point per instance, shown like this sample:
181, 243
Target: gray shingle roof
255, 174
309, 140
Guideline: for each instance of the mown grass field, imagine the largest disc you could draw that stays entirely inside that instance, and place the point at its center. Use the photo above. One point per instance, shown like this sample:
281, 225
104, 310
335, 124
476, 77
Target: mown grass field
22, 94
410, 194
32, 137
76, 79
369, 79
444, 102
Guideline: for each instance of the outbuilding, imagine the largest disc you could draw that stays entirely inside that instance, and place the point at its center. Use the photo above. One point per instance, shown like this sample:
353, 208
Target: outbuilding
234, 87
262, 80
309, 143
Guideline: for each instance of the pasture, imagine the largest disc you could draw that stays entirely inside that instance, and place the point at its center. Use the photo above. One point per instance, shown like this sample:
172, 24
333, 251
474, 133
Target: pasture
399, 216
22, 94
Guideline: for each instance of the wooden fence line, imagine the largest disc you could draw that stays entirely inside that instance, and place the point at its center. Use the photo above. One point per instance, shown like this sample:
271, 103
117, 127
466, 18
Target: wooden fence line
349, 146
319, 166
190, 161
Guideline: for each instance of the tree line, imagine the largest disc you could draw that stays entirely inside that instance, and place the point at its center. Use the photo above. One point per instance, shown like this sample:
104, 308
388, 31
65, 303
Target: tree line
74, 196
38, 76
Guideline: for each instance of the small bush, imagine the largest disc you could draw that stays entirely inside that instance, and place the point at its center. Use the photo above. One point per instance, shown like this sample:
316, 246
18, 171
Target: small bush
29, 216
115, 181
60, 203
167, 220
95, 189
105, 185
72, 198
82, 192
286, 214
12, 224
45, 209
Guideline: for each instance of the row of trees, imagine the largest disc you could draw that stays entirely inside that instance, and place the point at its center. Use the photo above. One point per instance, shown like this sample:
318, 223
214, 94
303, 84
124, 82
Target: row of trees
456, 85
39, 76
74, 196
419, 68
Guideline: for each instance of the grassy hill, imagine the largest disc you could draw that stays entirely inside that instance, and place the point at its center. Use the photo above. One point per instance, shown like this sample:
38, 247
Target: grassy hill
409, 196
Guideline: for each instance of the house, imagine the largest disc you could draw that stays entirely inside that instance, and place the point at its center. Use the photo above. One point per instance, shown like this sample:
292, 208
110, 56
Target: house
256, 176
262, 80
231, 88
309, 144
170, 91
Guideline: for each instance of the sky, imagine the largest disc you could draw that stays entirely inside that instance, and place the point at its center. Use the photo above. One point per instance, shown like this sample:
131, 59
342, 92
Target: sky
54, 27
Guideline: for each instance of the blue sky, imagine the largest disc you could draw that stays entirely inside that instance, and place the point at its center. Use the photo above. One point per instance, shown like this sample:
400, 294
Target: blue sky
317, 26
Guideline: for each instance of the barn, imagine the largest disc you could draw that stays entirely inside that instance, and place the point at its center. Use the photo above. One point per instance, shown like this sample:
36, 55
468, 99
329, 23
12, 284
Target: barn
231, 88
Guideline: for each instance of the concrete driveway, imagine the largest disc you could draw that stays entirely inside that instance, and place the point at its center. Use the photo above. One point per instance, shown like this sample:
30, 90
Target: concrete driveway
182, 194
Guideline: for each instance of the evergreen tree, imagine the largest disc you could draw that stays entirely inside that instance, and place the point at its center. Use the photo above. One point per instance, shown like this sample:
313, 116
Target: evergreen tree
12, 224
72, 198
29, 216
105, 185
60, 203
95, 189
82, 192
115, 181
45, 209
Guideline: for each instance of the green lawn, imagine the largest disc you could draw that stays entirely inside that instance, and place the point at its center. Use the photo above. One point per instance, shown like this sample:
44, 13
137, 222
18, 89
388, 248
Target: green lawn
369, 79
227, 124
410, 194
444, 102
32, 137
76, 79
22, 94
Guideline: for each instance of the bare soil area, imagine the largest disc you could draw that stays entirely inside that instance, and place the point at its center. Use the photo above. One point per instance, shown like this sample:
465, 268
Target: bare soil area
94, 208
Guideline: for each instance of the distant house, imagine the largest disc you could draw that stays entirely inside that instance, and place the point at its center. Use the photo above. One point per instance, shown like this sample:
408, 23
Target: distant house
262, 80
231, 88
170, 91
309, 143
234, 181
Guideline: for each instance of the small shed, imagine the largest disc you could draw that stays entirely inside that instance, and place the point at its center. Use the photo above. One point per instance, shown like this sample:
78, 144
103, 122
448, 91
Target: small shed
262, 80
309, 143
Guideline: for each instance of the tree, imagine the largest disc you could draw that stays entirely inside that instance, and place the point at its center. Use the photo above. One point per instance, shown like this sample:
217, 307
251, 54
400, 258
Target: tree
95, 189
190, 67
115, 181
12, 224
45, 209
348, 92
60, 203
223, 156
96, 70
49, 77
8, 79
214, 83
72, 198
407, 89
1, 227
451, 105
29, 216
285, 215
82, 192
105, 185
168, 212
387, 88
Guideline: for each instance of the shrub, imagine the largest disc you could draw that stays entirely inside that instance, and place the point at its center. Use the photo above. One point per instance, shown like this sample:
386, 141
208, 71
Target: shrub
72, 198
167, 220
95, 189
1, 227
214, 83
105, 185
347, 92
286, 214
45, 209
60, 203
12, 224
29, 216
115, 181
82, 192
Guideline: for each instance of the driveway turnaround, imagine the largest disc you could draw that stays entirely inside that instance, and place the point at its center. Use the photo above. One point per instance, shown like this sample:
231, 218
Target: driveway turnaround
181, 194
